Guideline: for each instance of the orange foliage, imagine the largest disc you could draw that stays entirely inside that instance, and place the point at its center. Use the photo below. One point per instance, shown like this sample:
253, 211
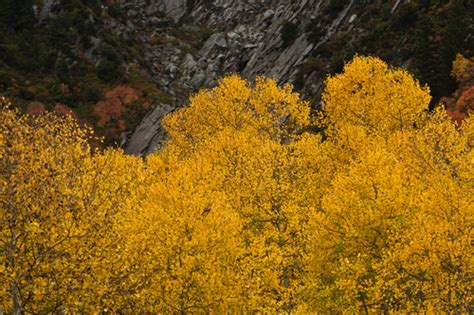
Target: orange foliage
110, 133
464, 105
114, 105
466, 101
120, 102
146, 104
124, 93
155, 40
463, 69
122, 124
64, 110
461, 102
35, 108
456, 116
108, 109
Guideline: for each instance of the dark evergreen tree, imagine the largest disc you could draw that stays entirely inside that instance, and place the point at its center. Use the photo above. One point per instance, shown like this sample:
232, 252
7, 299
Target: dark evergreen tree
16, 15
110, 68
455, 40
426, 56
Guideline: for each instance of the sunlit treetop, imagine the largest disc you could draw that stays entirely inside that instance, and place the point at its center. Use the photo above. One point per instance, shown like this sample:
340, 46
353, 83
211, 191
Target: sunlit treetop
371, 95
244, 209
263, 108
462, 68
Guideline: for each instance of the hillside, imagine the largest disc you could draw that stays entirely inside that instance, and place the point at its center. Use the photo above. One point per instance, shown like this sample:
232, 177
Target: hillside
120, 65
236, 157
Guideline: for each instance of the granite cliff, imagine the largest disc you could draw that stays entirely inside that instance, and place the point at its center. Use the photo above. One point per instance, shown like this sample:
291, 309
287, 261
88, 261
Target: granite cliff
121, 65
297, 41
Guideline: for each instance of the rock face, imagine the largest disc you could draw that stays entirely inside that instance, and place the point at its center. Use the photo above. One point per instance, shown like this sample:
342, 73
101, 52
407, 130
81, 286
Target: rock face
246, 38
174, 8
149, 132
47, 9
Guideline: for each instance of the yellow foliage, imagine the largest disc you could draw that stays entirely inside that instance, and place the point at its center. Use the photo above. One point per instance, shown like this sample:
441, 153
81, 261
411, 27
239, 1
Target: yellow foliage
245, 209
59, 204
228, 187
372, 96
462, 68
235, 105
397, 220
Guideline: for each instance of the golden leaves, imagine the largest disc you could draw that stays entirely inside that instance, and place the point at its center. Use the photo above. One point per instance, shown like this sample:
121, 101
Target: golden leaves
264, 109
244, 209
374, 97
57, 212
395, 219
226, 187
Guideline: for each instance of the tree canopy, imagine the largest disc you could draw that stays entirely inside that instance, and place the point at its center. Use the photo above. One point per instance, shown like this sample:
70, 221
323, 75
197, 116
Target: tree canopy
246, 208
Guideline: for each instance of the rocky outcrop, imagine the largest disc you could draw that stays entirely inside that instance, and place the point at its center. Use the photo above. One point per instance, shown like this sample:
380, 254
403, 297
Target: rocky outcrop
50, 7
142, 140
246, 39
175, 9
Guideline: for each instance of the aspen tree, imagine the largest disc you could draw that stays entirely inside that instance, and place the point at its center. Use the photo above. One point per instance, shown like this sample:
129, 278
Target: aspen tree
59, 203
396, 223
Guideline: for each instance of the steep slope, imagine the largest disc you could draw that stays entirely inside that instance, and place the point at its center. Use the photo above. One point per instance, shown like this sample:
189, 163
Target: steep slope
120, 65
299, 42
246, 39
60, 55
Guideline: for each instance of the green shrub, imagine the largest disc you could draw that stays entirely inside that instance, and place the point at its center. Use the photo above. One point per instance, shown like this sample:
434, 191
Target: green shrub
289, 33
94, 5
5, 80
314, 32
110, 68
194, 37
337, 63
338, 42
81, 21
405, 16
115, 11
27, 53
313, 64
16, 14
334, 7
